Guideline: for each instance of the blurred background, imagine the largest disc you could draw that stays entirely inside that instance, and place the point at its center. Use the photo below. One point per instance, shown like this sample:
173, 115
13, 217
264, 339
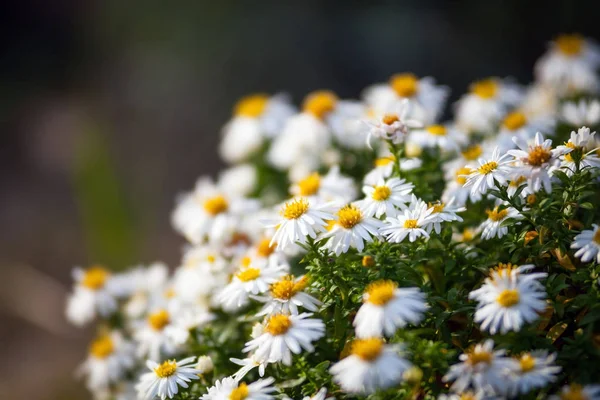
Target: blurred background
108, 109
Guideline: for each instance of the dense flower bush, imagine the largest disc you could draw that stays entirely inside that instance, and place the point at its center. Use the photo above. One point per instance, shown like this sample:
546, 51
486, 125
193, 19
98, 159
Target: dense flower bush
365, 249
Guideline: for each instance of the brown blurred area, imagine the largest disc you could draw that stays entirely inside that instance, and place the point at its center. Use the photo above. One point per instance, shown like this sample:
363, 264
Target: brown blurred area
108, 109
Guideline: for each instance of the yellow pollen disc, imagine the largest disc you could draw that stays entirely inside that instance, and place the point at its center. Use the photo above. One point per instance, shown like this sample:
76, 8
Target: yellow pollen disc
286, 288
381, 193
215, 205
158, 320
248, 274
488, 167
531, 199
468, 235
526, 362
246, 261
349, 216
437, 130
330, 224
170, 293
508, 298
467, 396
310, 185
102, 347
382, 161
481, 356
251, 106
320, 103
389, 119
538, 155
570, 45
278, 324
380, 292
240, 392
596, 238
514, 121
503, 270
437, 207
295, 209
211, 259
410, 224
95, 277
368, 261
472, 153
568, 157
496, 215
405, 85
264, 248
517, 182
486, 88
367, 349
461, 175
166, 369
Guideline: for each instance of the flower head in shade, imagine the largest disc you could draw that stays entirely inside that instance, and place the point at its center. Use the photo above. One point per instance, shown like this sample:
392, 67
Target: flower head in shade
532, 370
492, 227
575, 391
164, 379
587, 244
582, 113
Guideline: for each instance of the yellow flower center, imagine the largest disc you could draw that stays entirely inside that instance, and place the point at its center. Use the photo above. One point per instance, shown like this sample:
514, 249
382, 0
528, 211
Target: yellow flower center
517, 182
461, 175
568, 157
95, 278
367, 349
158, 320
437, 130
330, 224
468, 235
215, 205
570, 45
381, 292
538, 155
508, 298
479, 356
405, 85
102, 347
170, 293
389, 119
467, 396
278, 324
264, 248
596, 238
320, 103
251, 106
575, 392
166, 369
349, 216
210, 258
295, 209
383, 161
488, 167
496, 215
310, 185
437, 207
248, 274
411, 224
381, 193
368, 261
486, 88
503, 270
286, 288
472, 153
514, 121
526, 362
240, 392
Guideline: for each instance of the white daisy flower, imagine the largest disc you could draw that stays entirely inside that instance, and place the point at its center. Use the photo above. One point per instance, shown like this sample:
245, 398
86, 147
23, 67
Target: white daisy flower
569, 67
299, 220
151, 336
575, 391
347, 126
481, 368
491, 227
588, 244
352, 229
286, 334
110, 357
384, 166
494, 168
333, 186
535, 161
508, 299
455, 187
248, 364
575, 151
230, 388
445, 137
164, 379
540, 101
411, 223
443, 212
583, 113
371, 365
240, 180
393, 127
94, 293
386, 308
178, 331
286, 295
518, 124
386, 197
531, 371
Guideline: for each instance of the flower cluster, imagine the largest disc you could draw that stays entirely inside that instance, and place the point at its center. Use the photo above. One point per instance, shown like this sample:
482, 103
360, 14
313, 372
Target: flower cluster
367, 248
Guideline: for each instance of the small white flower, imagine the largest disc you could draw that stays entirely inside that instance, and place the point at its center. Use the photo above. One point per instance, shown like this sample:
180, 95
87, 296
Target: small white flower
411, 222
578, 147
333, 186
165, 378
94, 293
576, 391
491, 227
386, 197
248, 364
386, 308
230, 388
384, 166
583, 113
588, 243
352, 229
443, 212
178, 331
445, 137
372, 365
284, 335
532, 371
518, 124
482, 177
151, 336
508, 299
286, 295
393, 127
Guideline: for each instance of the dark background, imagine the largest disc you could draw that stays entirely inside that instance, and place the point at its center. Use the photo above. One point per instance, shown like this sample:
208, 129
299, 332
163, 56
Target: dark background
109, 108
